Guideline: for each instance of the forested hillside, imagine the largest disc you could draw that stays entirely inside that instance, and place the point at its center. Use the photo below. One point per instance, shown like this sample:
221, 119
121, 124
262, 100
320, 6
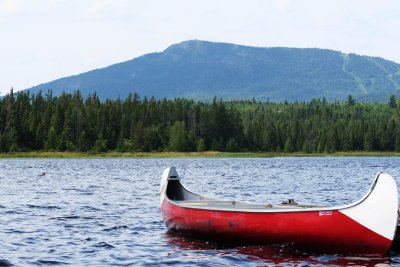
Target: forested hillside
70, 122
201, 70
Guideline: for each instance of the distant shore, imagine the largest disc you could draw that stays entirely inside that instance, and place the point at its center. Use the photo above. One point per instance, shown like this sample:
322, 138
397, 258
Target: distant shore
206, 154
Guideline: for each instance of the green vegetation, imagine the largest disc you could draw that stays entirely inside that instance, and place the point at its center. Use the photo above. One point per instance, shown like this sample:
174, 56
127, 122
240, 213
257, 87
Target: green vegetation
74, 124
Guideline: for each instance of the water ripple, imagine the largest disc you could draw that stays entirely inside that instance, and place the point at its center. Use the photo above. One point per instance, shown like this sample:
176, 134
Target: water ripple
105, 212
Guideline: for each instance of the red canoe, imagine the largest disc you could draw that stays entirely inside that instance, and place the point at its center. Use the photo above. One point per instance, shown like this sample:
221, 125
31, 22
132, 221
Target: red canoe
367, 226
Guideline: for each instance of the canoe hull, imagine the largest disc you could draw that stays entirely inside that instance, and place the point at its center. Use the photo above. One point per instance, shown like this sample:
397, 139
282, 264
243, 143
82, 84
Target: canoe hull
330, 231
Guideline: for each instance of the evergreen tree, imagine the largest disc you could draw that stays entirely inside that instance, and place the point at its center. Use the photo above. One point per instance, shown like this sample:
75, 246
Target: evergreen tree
350, 100
201, 145
178, 137
231, 145
392, 102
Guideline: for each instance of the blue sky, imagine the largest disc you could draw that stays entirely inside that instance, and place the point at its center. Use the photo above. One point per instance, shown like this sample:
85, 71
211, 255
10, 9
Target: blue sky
42, 40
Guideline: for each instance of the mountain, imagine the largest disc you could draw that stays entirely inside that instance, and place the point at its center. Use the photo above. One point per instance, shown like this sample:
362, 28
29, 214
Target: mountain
202, 70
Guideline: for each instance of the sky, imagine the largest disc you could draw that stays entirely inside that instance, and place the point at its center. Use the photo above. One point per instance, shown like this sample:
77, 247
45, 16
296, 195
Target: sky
43, 40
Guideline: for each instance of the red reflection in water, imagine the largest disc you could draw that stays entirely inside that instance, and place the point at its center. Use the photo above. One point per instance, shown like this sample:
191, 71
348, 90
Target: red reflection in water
273, 255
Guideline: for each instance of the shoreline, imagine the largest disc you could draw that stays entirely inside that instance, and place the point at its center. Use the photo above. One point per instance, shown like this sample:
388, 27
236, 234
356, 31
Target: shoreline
206, 154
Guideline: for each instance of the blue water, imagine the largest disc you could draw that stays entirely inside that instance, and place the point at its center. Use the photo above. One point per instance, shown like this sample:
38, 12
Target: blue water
104, 212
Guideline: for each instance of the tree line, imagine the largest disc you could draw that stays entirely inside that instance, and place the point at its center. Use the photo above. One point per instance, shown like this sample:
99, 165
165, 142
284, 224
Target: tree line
70, 122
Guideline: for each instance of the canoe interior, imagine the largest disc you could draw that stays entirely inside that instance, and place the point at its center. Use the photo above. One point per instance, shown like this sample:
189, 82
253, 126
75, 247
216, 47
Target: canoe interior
396, 241
177, 193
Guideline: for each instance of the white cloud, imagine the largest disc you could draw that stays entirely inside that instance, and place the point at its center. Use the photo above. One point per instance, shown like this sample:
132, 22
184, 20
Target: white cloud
51, 2
282, 4
9, 6
99, 6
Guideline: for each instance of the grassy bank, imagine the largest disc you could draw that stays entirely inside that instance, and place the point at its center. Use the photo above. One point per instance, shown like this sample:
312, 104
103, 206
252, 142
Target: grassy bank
207, 154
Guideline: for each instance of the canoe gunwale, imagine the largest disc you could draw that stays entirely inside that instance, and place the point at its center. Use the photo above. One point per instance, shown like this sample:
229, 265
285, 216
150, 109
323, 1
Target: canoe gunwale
294, 208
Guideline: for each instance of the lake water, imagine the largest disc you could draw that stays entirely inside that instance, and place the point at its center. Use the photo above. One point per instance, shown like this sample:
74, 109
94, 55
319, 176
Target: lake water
104, 212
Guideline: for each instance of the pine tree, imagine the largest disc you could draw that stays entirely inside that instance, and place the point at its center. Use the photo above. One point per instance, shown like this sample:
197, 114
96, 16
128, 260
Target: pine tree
231, 145
392, 102
178, 137
201, 145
